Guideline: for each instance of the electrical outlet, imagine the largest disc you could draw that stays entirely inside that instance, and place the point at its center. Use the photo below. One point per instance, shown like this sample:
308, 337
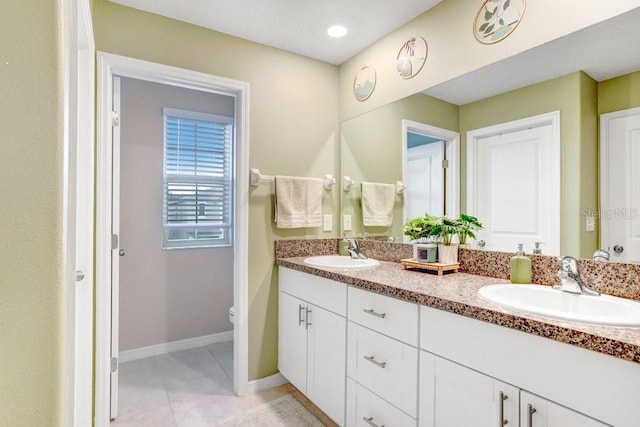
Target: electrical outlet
328, 223
591, 223
346, 223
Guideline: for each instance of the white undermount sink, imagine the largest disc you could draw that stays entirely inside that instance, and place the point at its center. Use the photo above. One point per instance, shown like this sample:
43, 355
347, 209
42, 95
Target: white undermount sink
546, 301
339, 261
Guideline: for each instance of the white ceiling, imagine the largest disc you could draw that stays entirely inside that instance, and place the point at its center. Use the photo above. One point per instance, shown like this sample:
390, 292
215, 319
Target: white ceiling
605, 50
296, 26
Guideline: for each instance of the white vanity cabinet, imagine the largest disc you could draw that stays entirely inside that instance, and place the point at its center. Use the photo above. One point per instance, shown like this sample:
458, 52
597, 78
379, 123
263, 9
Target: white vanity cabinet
560, 385
382, 360
538, 412
397, 364
452, 395
312, 338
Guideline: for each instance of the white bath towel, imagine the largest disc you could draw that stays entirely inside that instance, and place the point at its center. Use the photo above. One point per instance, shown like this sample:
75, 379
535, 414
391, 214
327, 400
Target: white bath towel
298, 202
377, 204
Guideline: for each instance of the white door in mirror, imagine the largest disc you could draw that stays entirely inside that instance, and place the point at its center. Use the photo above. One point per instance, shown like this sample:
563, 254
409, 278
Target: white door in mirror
513, 183
620, 198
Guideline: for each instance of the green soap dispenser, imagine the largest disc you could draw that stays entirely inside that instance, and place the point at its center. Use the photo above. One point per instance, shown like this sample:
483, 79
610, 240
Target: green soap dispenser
520, 267
343, 246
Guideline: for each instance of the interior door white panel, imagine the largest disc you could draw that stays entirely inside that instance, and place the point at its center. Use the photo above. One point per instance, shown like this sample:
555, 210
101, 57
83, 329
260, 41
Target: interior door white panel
620, 215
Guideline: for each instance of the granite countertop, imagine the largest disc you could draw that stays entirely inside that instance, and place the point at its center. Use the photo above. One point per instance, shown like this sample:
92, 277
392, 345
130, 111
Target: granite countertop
457, 293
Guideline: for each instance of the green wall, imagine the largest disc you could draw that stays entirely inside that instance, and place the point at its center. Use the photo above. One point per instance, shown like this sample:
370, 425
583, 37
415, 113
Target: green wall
620, 93
372, 150
575, 96
32, 304
293, 131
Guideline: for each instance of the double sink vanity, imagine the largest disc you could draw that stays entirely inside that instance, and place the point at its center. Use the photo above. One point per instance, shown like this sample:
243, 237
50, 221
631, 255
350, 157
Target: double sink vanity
373, 345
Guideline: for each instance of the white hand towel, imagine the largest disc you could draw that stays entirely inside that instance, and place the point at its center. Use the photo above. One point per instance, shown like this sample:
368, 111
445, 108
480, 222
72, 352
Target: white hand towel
298, 202
377, 204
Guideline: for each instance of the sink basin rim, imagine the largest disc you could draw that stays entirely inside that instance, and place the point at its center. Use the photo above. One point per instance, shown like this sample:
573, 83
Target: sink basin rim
340, 261
540, 300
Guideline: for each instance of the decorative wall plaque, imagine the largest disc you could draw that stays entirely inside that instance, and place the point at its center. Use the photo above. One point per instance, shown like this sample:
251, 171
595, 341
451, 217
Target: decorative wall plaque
496, 19
364, 83
411, 57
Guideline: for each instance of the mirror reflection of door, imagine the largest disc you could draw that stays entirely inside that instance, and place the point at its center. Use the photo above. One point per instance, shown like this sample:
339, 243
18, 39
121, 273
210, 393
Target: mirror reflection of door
514, 183
620, 186
424, 175
430, 170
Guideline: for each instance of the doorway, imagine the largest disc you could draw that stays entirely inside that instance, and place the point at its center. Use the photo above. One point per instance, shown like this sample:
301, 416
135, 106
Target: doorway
513, 183
107, 240
172, 216
430, 170
619, 190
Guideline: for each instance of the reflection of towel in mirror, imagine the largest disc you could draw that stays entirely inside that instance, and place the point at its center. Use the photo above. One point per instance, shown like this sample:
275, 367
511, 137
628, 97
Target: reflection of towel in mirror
298, 202
377, 204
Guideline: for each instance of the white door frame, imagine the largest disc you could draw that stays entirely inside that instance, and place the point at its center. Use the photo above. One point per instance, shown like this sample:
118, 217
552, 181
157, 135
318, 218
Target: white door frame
79, 169
552, 119
452, 155
108, 66
604, 166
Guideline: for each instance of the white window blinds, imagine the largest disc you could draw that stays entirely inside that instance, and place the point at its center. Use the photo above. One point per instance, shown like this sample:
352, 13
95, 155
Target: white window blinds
198, 179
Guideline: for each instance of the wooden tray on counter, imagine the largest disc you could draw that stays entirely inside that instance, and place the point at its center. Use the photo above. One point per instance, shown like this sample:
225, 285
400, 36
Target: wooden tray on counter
411, 263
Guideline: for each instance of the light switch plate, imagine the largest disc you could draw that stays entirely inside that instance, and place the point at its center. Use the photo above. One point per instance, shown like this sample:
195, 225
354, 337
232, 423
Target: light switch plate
328, 223
591, 223
346, 223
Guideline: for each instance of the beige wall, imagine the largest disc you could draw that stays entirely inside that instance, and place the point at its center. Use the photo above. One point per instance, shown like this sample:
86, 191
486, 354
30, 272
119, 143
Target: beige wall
164, 295
454, 51
574, 95
32, 292
293, 131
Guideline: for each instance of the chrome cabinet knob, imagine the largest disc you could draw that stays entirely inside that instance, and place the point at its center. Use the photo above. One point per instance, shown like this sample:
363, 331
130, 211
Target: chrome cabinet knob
79, 276
121, 252
618, 249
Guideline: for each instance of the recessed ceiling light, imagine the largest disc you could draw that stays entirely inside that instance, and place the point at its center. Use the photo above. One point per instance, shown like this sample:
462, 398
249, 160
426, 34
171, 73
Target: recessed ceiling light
337, 31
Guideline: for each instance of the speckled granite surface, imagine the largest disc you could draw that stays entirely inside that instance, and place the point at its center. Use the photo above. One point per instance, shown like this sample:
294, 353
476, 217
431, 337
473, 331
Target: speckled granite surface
621, 280
305, 247
457, 293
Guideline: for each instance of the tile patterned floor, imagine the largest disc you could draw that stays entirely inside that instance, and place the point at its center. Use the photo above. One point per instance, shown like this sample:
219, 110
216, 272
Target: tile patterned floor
190, 388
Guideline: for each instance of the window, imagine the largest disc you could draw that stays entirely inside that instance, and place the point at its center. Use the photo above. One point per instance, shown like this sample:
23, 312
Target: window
198, 179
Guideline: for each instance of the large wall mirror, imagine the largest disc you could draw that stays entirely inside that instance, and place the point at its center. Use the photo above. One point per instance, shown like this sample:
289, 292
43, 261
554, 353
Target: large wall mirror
560, 78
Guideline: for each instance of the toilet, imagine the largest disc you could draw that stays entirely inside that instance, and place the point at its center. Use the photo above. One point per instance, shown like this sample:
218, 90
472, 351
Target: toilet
232, 314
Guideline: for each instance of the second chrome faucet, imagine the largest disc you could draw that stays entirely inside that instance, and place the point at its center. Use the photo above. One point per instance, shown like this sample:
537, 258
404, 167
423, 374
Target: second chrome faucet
570, 280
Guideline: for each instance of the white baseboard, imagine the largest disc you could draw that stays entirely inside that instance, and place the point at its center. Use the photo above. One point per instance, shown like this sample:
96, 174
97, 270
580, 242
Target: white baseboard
265, 383
170, 347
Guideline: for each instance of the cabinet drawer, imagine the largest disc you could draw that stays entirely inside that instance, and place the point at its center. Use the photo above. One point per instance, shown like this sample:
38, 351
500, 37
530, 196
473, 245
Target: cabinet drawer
387, 367
362, 405
390, 316
322, 292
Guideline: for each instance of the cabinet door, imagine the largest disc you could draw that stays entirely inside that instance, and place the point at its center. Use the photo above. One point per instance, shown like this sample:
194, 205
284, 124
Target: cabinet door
538, 412
506, 404
452, 395
292, 340
327, 361
367, 409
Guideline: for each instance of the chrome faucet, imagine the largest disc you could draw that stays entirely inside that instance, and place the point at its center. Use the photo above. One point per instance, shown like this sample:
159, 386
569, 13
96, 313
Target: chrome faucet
570, 280
601, 255
354, 250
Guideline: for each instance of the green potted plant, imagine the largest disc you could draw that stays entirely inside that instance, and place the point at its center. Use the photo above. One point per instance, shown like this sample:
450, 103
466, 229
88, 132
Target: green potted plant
468, 225
422, 231
445, 229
